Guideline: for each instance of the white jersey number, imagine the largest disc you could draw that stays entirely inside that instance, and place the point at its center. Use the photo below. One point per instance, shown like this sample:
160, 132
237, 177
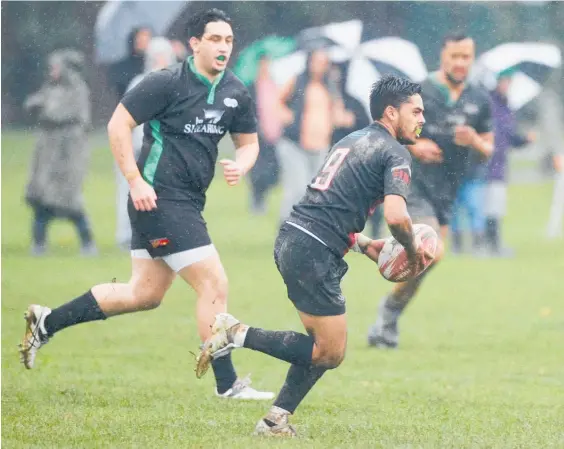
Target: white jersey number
327, 173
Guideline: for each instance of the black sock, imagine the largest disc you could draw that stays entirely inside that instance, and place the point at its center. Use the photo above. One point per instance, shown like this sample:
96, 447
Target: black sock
292, 347
80, 310
492, 232
488, 233
396, 303
224, 373
299, 381
393, 304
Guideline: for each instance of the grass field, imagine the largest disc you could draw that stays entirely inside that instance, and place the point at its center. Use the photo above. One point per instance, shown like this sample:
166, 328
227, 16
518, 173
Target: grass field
481, 361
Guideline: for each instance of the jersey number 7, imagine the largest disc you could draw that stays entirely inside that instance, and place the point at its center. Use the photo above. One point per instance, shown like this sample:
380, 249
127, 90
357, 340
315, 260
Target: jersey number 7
327, 173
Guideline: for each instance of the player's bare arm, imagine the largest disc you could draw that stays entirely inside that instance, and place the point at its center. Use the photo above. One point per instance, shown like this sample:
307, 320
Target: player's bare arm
286, 114
468, 137
120, 127
427, 151
399, 222
342, 117
119, 131
246, 153
484, 143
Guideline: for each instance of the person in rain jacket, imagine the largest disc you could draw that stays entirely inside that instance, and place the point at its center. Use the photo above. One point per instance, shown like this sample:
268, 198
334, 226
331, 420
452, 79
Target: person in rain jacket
59, 164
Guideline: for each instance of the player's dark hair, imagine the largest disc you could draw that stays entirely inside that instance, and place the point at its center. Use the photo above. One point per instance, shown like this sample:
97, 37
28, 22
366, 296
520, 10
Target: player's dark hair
197, 23
390, 91
455, 36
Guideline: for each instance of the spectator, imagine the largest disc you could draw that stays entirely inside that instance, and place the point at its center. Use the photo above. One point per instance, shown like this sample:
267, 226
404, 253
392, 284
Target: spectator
311, 108
59, 164
122, 72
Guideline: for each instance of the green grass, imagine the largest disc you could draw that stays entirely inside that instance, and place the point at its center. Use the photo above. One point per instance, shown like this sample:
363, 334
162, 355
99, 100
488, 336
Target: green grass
481, 363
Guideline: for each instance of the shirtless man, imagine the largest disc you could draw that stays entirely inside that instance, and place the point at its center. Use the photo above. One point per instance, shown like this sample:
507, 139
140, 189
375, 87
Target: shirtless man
311, 108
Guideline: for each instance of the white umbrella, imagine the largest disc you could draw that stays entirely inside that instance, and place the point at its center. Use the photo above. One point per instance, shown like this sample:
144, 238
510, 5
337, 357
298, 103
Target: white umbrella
338, 35
364, 61
379, 57
532, 63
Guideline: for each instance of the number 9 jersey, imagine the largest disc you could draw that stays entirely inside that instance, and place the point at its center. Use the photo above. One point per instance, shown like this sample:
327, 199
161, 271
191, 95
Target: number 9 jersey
359, 171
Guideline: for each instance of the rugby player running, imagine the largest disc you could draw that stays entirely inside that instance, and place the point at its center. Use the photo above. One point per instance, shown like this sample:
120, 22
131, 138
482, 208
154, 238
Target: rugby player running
362, 170
186, 108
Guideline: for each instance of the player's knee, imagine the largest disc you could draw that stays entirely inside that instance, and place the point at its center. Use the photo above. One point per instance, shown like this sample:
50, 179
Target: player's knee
216, 289
149, 301
330, 361
147, 296
329, 358
336, 359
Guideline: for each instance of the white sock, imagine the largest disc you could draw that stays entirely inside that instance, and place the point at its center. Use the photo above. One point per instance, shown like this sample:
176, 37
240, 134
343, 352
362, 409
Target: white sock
277, 416
240, 335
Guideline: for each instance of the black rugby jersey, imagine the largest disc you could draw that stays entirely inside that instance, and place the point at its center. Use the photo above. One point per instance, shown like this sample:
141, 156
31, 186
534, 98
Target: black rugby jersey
358, 173
441, 181
185, 117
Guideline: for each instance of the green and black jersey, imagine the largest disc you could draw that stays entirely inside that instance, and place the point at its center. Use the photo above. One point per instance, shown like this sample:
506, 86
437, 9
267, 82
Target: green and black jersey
441, 181
185, 117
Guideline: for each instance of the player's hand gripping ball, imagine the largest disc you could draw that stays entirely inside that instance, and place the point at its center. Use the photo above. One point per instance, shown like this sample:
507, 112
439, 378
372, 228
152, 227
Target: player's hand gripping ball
393, 261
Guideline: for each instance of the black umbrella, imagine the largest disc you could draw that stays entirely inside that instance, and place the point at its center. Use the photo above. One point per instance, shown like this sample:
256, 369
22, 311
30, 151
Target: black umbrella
362, 60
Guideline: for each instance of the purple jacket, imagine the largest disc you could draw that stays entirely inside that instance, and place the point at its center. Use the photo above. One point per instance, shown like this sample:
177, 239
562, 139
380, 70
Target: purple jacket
505, 137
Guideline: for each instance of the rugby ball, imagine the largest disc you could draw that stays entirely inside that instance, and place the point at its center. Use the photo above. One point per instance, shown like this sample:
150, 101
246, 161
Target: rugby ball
392, 261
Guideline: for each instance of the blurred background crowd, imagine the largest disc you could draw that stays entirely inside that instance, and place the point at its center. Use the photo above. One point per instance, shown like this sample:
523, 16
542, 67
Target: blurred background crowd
65, 66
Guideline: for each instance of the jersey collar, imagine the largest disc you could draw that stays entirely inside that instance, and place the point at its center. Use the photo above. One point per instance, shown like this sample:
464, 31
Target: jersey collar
211, 86
378, 125
444, 90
